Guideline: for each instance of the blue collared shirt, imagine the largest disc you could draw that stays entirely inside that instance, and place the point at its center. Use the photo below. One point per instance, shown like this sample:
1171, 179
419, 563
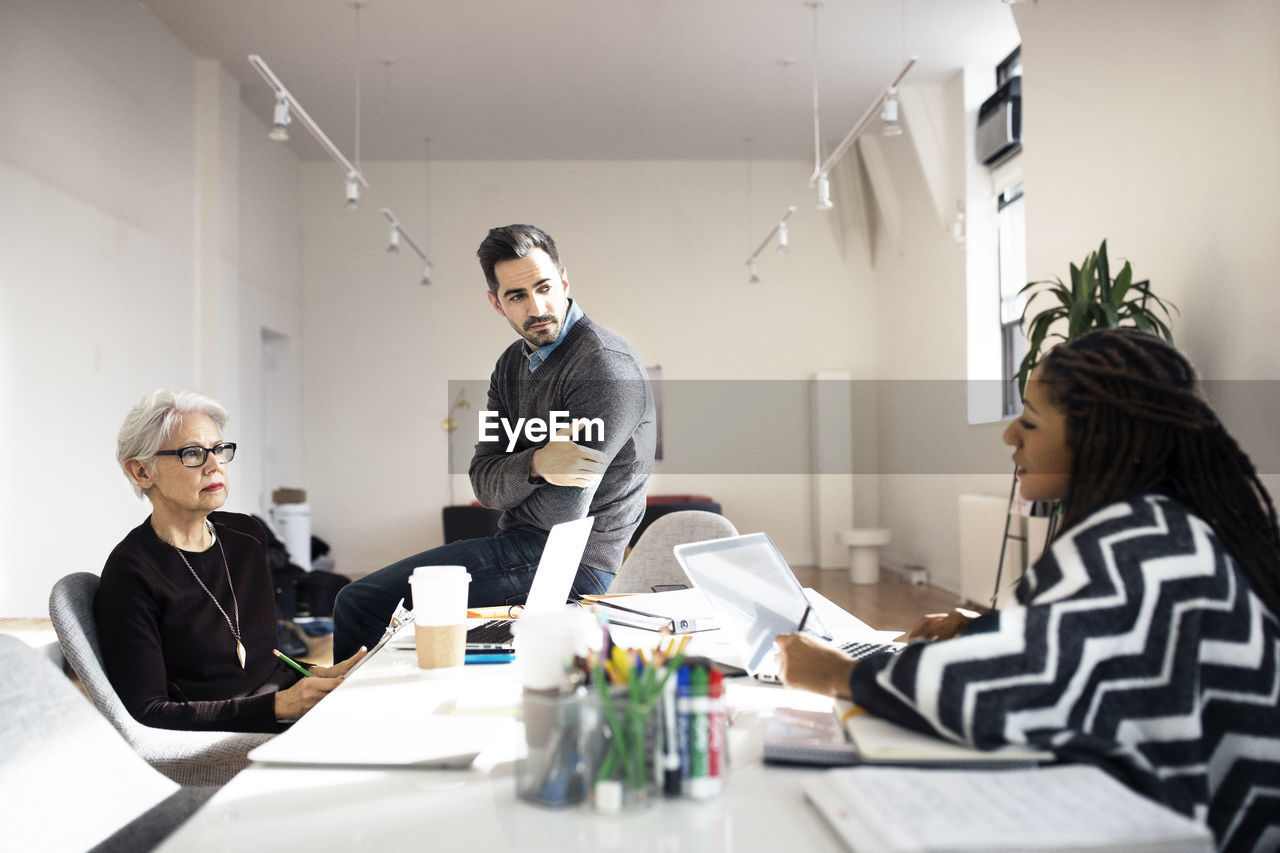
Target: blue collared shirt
542, 353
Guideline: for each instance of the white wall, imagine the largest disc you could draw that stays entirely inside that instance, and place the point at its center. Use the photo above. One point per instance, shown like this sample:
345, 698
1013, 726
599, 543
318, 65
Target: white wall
268, 423
120, 267
655, 251
1155, 125
1176, 135
151, 233
98, 231
1184, 182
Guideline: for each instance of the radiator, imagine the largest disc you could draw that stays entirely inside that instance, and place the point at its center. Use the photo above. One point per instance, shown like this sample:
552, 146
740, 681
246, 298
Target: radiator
981, 532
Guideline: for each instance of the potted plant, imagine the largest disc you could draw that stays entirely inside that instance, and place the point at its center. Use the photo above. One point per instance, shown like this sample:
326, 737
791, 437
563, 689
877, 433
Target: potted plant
1093, 300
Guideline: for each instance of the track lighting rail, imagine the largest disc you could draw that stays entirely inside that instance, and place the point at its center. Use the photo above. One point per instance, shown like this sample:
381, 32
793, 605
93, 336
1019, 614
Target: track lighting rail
283, 94
823, 171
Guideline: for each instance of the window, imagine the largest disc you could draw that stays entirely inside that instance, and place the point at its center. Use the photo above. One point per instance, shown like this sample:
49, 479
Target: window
995, 257
1011, 230
1011, 227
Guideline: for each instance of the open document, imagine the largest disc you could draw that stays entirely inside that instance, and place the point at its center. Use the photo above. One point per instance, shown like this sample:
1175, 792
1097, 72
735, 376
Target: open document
878, 808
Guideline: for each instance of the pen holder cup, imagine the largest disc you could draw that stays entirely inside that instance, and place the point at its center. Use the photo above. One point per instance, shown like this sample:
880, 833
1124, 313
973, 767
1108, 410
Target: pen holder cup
552, 770
620, 746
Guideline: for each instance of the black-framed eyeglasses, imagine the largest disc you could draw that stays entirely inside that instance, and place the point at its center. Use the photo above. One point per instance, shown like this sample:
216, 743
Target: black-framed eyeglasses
195, 455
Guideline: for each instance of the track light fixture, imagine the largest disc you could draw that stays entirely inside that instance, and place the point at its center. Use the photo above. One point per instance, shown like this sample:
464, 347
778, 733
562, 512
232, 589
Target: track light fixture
889, 114
781, 231
824, 193
353, 192
286, 106
280, 123
397, 232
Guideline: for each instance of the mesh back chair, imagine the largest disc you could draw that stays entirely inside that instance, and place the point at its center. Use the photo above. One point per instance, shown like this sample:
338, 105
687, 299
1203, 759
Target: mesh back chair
67, 780
190, 758
652, 563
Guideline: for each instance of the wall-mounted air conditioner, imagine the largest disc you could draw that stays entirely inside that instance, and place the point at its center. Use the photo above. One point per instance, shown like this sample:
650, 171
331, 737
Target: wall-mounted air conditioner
1000, 122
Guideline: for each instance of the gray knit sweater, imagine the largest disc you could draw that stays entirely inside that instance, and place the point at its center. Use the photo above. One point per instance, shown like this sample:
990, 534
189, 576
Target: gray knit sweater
592, 374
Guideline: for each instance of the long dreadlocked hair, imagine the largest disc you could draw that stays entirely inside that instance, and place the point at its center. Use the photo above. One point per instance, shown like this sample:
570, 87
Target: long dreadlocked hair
1136, 422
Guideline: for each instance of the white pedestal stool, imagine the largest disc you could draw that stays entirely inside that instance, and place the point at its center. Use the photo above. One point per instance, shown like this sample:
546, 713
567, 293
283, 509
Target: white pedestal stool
864, 554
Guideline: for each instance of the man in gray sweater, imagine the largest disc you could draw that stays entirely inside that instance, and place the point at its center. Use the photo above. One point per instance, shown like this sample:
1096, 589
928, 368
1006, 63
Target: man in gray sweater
531, 461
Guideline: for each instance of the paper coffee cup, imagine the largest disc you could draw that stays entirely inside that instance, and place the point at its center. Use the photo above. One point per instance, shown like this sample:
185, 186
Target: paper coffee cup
440, 614
546, 644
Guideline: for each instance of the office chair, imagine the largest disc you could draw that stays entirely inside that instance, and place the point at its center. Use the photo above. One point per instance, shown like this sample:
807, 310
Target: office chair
189, 758
657, 506
469, 521
652, 563
67, 779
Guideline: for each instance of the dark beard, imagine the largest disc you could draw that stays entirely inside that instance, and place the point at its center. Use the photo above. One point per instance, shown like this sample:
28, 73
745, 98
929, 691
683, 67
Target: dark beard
544, 337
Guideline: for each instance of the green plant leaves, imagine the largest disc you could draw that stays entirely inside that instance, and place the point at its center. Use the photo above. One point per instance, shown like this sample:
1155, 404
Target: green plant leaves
1093, 300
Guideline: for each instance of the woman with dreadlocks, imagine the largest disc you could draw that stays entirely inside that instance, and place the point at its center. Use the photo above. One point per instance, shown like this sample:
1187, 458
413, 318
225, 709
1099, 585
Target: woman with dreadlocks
1145, 639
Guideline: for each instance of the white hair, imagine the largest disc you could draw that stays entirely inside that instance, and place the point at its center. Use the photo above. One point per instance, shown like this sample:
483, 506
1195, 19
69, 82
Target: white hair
154, 419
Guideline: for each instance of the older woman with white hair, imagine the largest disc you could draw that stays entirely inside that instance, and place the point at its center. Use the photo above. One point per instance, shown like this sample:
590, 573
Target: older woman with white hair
186, 607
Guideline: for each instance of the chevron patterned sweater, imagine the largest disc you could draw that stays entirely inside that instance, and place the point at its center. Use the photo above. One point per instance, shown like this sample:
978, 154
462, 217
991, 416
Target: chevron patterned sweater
1137, 645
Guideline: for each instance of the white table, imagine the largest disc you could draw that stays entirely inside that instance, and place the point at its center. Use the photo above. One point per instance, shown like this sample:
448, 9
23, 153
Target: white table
337, 808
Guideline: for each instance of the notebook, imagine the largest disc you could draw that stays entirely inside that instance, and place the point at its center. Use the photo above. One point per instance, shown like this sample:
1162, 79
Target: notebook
756, 597
849, 735
552, 582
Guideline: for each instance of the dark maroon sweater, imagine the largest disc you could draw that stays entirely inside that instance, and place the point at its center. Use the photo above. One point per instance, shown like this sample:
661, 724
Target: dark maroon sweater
167, 649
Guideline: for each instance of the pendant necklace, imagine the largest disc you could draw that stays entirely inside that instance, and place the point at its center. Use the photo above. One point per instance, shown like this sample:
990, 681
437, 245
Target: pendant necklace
235, 629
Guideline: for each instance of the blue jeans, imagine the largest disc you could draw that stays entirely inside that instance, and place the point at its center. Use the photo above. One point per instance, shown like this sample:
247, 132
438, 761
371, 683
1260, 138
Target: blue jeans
501, 568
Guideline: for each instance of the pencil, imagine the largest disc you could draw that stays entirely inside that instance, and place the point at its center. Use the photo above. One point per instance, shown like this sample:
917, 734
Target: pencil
805, 618
854, 710
291, 662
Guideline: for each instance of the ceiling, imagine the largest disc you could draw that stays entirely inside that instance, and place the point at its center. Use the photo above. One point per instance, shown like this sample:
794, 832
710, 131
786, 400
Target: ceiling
583, 79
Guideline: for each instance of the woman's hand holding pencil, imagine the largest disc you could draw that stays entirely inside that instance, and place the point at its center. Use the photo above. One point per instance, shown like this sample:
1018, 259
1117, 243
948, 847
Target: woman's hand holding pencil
314, 685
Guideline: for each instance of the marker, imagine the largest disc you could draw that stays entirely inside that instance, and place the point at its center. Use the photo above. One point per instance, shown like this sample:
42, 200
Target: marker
683, 700
715, 732
291, 662
482, 656
670, 741
699, 755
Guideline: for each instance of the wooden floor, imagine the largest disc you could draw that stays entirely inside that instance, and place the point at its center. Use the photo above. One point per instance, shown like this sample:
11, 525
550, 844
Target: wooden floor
890, 604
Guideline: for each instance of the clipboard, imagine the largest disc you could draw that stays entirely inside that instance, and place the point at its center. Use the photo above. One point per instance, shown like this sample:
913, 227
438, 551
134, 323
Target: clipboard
399, 619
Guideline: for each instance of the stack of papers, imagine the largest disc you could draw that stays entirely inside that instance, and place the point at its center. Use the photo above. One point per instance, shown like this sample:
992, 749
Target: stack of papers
1072, 807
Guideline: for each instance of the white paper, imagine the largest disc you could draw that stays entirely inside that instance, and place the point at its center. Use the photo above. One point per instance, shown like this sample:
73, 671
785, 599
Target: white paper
439, 740
971, 810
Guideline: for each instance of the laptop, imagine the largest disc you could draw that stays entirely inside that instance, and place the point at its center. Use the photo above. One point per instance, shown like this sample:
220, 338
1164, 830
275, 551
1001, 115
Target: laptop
756, 597
552, 583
